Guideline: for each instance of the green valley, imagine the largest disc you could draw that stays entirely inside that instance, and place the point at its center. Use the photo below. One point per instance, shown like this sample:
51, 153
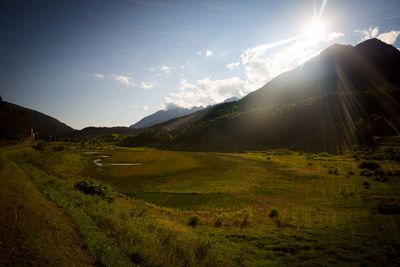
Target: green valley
256, 208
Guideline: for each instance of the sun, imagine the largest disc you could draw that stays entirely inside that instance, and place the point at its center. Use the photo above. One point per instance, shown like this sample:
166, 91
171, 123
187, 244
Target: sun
315, 30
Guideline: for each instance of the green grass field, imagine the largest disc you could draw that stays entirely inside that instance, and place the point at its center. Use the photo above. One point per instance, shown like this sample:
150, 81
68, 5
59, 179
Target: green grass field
326, 213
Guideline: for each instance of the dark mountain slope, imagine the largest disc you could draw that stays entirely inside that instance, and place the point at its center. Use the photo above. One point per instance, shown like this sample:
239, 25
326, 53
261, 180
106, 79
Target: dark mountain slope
16, 123
335, 101
164, 115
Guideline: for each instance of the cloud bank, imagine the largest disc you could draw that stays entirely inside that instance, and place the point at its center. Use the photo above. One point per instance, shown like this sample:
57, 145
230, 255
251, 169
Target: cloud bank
259, 64
374, 32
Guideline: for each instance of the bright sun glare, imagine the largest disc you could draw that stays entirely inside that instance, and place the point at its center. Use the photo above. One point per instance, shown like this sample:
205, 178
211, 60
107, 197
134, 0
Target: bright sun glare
315, 30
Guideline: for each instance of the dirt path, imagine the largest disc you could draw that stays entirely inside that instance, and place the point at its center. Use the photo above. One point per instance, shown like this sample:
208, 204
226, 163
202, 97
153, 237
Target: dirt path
33, 230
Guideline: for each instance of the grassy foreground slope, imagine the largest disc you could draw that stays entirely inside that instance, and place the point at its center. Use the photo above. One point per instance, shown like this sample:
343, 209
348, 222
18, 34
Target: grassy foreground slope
33, 230
226, 209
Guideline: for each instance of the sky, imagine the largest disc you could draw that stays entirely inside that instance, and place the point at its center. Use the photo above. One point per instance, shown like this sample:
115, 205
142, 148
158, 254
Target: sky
110, 63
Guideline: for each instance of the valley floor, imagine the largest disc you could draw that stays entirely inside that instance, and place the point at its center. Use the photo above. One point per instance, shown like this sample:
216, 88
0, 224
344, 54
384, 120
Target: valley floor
167, 208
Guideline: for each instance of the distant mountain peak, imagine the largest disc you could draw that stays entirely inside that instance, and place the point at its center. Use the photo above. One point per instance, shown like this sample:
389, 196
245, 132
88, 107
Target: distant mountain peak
375, 45
231, 99
373, 42
171, 111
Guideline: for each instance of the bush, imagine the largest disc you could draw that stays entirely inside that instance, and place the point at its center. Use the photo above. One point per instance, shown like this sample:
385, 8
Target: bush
94, 188
351, 173
389, 209
193, 221
136, 258
370, 165
274, 213
366, 173
366, 185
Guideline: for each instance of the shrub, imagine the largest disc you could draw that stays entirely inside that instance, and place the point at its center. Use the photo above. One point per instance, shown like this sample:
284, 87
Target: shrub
370, 165
389, 209
95, 188
136, 258
274, 213
366, 185
366, 173
193, 221
351, 173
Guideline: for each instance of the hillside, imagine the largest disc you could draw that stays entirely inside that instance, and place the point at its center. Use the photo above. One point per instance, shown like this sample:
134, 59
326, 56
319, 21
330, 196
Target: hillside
164, 115
337, 100
16, 123
105, 133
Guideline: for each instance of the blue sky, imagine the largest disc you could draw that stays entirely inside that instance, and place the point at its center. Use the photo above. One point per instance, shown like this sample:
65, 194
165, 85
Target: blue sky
110, 63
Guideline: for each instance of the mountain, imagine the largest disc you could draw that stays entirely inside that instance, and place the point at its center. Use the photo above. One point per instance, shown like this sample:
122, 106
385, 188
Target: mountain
231, 99
336, 101
171, 112
160, 116
16, 122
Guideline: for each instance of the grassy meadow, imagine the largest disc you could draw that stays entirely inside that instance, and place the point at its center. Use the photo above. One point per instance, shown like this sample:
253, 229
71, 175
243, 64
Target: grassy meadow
268, 208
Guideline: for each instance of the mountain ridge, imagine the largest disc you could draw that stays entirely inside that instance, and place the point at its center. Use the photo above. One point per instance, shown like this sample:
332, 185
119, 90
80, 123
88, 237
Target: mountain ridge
333, 102
16, 122
163, 115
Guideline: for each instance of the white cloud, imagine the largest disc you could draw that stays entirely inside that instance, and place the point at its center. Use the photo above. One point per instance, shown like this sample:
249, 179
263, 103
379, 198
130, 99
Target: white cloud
233, 65
146, 108
374, 32
125, 80
371, 32
98, 75
165, 69
331, 36
206, 53
209, 53
389, 37
146, 85
259, 65
206, 91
